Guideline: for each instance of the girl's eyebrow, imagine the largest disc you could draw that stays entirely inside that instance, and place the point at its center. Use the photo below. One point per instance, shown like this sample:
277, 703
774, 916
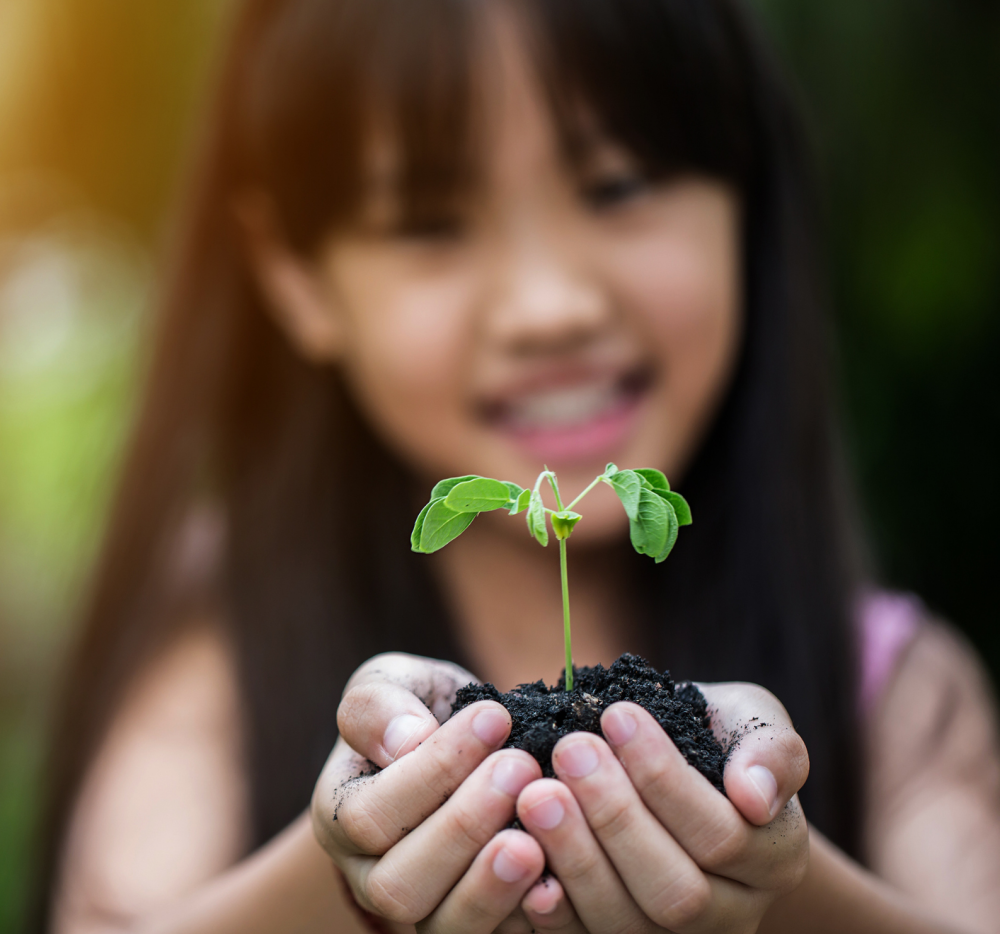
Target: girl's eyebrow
597, 151
586, 140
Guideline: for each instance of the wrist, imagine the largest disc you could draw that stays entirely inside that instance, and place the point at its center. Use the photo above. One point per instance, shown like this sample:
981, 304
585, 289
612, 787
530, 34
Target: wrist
839, 895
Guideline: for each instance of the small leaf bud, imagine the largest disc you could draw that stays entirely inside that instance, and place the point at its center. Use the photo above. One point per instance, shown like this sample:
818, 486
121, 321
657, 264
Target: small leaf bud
564, 522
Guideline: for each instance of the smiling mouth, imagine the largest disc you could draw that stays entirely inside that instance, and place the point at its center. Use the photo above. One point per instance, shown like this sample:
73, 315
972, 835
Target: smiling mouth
580, 419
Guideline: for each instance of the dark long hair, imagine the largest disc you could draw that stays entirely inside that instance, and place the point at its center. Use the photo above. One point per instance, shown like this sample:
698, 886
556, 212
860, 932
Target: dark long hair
760, 589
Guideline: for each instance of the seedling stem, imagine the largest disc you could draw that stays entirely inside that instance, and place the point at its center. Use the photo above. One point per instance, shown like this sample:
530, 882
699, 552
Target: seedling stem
566, 630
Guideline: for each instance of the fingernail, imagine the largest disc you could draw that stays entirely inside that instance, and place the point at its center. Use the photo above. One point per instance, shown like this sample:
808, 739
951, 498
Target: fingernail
618, 725
766, 786
399, 730
543, 898
508, 869
547, 911
547, 813
577, 759
511, 775
490, 726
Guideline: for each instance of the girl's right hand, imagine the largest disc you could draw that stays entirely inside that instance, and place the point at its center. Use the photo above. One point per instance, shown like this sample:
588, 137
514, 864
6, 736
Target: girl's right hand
420, 842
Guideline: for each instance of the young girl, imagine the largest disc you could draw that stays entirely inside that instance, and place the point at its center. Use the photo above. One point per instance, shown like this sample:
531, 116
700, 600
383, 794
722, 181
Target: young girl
438, 237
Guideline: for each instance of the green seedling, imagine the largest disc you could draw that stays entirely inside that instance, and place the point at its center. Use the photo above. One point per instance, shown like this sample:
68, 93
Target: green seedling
655, 513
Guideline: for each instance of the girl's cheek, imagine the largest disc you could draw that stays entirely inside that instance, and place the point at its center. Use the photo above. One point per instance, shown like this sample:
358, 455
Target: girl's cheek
681, 278
683, 297
698, 344
410, 349
403, 318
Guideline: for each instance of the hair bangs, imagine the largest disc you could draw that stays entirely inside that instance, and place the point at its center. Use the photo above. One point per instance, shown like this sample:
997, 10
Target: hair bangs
331, 81
668, 79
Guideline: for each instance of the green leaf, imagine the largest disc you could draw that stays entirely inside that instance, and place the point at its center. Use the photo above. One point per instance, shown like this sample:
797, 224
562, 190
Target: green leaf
609, 470
656, 480
659, 484
627, 485
442, 525
514, 490
672, 528
564, 522
536, 519
680, 506
478, 495
521, 503
648, 530
418, 526
443, 487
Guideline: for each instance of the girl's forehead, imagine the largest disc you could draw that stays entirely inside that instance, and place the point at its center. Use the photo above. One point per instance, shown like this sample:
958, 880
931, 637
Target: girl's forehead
524, 115
513, 121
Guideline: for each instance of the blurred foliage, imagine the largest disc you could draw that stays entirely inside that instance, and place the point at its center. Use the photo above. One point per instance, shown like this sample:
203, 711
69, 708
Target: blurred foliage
97, 99
904, 99
69, 308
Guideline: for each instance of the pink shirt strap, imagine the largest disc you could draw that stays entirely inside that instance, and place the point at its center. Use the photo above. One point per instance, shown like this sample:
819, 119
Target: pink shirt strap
887, 623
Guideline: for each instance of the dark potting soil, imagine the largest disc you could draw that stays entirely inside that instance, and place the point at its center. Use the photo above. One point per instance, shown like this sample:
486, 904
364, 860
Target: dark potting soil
543, 715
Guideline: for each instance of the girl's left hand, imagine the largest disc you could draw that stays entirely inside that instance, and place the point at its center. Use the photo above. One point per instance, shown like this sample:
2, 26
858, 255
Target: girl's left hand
641, 842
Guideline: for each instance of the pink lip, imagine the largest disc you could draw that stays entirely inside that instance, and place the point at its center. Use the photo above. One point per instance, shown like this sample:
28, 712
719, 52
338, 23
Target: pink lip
597, 438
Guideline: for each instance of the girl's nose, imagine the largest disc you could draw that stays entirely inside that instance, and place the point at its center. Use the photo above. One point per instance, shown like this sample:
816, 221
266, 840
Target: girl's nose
547, 302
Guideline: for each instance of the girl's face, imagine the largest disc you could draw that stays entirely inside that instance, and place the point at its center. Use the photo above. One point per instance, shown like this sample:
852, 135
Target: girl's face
568, 317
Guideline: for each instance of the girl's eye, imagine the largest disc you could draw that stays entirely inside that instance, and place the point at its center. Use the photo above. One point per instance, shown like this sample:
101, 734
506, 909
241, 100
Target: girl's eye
609, 192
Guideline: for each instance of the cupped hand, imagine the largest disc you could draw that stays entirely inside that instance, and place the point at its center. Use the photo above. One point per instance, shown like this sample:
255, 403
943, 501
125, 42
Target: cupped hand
412, 811
641, 842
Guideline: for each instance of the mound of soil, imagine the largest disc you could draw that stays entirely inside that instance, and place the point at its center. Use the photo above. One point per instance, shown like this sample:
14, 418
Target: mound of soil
542, 715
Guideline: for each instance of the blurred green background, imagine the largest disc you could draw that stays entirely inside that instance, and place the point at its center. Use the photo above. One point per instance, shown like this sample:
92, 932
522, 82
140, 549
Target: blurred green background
98, 100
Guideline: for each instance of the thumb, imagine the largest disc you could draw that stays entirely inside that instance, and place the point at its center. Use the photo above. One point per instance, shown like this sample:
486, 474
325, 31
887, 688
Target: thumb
768, 762
394, 702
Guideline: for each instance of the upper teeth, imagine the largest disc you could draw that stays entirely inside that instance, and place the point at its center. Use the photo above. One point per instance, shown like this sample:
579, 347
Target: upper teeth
564, 407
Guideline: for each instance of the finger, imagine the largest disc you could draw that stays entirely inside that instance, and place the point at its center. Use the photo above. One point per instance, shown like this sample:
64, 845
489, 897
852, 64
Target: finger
548, 908
702, 821
515, 923
769, 763
665, 882
370, 814
434, 682
342, 775
383, 722
493, 887
705, 823
419, 871
550, 813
